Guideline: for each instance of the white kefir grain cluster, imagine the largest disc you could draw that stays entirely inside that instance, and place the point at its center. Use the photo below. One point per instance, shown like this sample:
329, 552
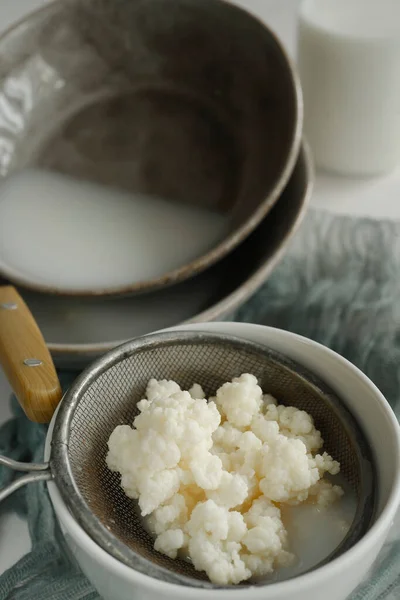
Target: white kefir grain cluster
211, 476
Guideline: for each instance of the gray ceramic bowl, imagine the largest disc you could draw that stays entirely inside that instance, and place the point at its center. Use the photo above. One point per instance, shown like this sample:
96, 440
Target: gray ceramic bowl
191, 100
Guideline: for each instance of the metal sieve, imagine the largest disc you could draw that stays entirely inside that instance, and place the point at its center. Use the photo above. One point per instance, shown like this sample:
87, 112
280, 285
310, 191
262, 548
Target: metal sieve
106, 395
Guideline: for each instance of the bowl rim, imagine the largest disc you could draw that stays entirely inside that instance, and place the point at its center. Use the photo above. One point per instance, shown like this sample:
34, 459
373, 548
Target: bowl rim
221, 249
280, 590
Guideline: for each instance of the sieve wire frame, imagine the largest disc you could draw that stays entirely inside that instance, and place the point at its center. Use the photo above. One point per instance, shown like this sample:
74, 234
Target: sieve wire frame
79, 508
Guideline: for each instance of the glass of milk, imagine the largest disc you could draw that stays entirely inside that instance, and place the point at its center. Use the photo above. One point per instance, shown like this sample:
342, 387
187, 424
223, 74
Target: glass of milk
349, 60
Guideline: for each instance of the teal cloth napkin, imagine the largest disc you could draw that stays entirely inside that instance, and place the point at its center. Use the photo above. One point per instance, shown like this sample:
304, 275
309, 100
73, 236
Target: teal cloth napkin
337, 284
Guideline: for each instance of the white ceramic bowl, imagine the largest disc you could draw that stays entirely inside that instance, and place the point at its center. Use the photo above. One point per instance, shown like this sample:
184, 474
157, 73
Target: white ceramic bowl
335, 581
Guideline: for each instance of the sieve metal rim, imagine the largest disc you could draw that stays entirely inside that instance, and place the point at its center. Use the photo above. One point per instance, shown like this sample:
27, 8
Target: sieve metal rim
78, 507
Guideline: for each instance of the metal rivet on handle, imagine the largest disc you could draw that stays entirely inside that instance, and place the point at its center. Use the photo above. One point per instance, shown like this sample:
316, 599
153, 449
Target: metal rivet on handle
9, 306
33, 362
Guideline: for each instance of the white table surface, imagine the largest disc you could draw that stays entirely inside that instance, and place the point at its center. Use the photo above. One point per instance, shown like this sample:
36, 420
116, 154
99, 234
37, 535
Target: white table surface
377, 198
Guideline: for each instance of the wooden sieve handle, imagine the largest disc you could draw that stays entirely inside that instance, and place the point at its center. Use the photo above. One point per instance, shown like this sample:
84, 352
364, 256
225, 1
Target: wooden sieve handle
25, 358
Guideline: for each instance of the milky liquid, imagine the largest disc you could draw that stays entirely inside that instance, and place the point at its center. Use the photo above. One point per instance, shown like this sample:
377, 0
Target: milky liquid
61, 232
315, 532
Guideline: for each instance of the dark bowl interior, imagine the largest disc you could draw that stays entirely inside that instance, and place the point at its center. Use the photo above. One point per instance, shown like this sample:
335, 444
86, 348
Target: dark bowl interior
190, 100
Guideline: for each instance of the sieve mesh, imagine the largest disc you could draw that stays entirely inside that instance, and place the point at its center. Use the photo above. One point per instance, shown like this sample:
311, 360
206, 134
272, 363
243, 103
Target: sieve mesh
106, 396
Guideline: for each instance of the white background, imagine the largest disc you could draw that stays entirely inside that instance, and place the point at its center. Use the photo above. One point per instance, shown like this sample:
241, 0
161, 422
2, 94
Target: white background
378, 198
